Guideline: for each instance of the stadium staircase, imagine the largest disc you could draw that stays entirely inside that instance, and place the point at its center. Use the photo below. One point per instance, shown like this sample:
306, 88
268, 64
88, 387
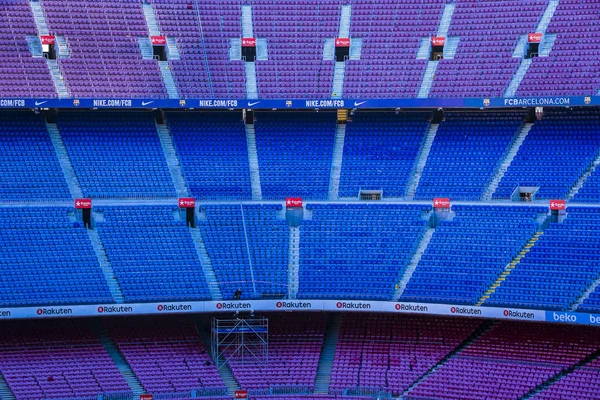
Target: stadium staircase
249, 67
203, 329
247, 28
253, 162
543, 50
427, 79
519, 51
57, 79
510, 267
251, 86
563, 373
590, 289
35, 46
106, 266
446, 19
423, 52
294, 261
248, 252
327, 357
344, 31
168, 80
39, 17
207, 268
42, 28
63, 47
146, 48
546, 44
172, 50
150, 19
518, 77
5, 392
450, 47
122, 365
424, 49
262, 53
581, 181
64, 160
339, 71
414, 262
507, 160
547, 17
338, 155
480, 331
166, 142
415, 176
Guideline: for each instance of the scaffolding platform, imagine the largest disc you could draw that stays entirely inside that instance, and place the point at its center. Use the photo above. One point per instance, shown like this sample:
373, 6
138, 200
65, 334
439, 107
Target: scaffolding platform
240, 340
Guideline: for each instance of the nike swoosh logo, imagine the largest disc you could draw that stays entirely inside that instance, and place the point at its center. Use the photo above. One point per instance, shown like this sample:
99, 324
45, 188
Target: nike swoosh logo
145, 103
39, 103
253, 104
356, 104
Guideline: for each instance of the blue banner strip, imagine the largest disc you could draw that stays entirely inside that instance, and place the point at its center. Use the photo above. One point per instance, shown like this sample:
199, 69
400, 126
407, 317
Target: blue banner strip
303, 104
99, 310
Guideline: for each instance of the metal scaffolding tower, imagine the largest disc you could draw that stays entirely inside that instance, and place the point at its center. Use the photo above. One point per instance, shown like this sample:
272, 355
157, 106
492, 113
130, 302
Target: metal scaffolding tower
240, 340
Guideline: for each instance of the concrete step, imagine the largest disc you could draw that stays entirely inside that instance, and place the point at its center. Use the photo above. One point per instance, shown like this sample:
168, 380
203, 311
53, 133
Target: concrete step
64, 161
415, 175
325, 365
336, 163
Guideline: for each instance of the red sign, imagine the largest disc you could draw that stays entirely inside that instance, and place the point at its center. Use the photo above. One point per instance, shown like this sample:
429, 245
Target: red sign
240, 394
187, 202
158, 40
248, 42
83, 203
145, 397
534, 37
293, 202
438, 41
342, 42
557, 205
47, 39
441, 202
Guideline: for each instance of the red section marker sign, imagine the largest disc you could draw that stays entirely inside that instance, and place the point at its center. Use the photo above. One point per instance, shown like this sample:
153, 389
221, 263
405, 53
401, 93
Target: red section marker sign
441, 202
187, 202
145, 397
293, 202
158, 40
534, 37
438, 41
342, 42
47, 39
83, 203
240, 394
557, 205
248, 42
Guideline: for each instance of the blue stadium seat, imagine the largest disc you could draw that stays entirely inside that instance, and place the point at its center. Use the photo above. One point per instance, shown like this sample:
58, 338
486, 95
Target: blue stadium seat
357, 251
47, 259
213, 154
294, 154
152, 254
29, 169
380, 150
465, 154
467, 254
559, 267
557, 151
116, 154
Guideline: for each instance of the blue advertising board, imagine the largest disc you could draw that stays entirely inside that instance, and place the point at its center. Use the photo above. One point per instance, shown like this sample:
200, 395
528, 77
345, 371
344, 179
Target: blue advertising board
479, 103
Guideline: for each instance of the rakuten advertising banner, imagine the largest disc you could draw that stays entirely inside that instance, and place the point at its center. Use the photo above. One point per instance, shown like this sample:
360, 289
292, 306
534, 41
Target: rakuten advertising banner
158, 40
